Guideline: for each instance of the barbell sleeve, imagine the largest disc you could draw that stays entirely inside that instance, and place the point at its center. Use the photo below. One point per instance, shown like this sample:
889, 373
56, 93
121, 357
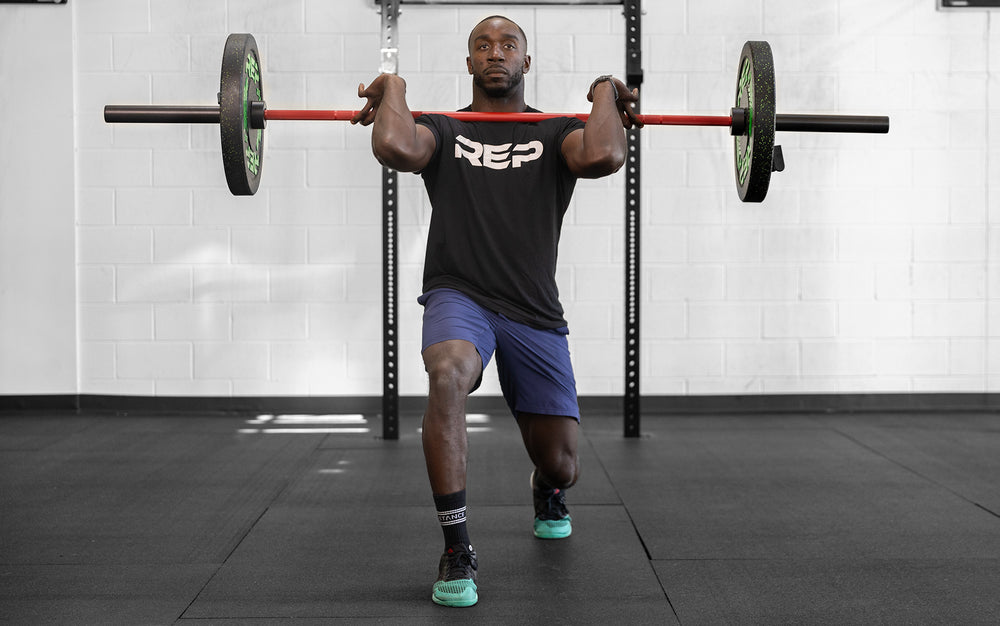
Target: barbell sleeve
831, 123
161, 114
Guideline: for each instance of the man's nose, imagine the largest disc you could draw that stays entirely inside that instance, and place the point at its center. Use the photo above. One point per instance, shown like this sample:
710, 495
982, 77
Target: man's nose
496, 53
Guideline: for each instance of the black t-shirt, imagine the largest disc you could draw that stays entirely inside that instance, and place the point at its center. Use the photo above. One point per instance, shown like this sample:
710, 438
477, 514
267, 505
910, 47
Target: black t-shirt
499, 191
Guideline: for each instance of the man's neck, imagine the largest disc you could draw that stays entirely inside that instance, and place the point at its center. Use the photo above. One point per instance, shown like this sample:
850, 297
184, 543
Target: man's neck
484, 103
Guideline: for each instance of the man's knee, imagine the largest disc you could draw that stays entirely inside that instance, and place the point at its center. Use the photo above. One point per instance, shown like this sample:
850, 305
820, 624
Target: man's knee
551, 442
560, 468
453, 367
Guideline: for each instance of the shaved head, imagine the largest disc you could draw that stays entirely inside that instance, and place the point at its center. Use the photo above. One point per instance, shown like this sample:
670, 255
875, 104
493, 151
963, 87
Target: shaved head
520, 31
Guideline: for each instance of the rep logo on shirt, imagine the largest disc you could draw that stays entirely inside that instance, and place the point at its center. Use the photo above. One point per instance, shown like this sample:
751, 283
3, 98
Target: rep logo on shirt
497, 157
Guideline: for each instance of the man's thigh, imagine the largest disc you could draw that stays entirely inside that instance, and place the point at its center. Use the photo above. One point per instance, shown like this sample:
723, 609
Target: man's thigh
536, 373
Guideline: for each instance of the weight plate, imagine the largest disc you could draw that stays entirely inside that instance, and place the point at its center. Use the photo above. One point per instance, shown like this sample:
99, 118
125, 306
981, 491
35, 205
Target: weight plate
242, 146
755, 92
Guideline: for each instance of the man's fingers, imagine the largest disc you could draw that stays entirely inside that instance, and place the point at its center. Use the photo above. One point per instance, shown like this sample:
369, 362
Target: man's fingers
364, 116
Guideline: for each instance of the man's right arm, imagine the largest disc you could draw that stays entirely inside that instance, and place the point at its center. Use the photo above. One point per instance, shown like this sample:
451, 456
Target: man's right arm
397, 141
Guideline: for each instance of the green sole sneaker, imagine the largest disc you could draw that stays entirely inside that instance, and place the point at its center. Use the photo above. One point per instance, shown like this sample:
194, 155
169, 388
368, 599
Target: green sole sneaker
552, 520
456, 583
456, 593
553, 528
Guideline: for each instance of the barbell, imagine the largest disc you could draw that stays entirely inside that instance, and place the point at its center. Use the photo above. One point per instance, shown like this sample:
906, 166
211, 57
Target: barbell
242, 116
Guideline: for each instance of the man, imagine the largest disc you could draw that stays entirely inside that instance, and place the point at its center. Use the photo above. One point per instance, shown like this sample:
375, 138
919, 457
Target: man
498, 192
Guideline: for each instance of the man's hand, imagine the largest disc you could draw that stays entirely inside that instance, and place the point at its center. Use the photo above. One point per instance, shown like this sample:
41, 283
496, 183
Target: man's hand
374, 92
397, 141
624, 99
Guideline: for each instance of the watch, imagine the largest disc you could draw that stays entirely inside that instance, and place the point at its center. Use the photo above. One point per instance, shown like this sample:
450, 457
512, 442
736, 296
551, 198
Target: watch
601, 79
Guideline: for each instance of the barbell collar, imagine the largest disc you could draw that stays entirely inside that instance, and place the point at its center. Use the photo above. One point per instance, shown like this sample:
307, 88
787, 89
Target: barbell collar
738, 125
258, 114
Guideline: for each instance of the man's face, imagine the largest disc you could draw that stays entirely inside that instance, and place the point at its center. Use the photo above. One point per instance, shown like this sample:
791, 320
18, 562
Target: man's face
497, 57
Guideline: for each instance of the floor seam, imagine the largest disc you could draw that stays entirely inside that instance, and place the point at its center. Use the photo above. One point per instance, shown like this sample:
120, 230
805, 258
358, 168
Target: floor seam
913, 471
635, 528
308, 461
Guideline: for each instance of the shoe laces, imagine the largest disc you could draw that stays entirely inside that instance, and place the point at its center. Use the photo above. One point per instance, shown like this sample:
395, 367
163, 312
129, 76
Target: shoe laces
459, 564
553, 504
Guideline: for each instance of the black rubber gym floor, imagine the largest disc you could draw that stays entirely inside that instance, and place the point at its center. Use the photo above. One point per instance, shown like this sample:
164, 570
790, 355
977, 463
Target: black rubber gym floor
804, 519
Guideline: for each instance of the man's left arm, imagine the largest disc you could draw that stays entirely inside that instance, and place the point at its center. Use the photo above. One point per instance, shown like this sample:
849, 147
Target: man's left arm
599, 148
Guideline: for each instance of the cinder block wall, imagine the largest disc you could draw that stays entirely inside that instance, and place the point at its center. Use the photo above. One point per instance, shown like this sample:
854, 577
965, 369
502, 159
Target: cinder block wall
37, 255
871, 267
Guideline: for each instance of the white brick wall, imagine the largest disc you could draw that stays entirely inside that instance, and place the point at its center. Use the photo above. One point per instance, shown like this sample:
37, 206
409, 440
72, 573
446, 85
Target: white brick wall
871, 267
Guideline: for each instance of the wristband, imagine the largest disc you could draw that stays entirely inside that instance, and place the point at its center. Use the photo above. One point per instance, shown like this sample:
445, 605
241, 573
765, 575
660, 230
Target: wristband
601, 79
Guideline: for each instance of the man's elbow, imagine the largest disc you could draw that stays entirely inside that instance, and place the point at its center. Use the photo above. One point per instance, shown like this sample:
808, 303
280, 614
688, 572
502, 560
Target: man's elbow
393, 154
604, 164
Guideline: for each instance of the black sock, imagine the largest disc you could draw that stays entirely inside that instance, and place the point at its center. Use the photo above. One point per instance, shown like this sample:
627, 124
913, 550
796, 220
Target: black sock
541, 483
451, 516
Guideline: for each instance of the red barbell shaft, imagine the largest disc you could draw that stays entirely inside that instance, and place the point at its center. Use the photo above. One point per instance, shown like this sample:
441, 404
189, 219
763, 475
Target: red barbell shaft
475, 116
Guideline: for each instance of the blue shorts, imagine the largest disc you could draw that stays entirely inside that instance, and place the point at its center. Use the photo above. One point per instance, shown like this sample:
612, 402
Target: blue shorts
533, 364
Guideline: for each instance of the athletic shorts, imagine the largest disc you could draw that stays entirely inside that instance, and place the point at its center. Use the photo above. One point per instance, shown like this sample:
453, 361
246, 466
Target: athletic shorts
533, 364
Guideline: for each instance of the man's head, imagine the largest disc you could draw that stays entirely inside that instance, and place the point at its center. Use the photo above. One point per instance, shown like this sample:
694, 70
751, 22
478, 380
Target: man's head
498, 56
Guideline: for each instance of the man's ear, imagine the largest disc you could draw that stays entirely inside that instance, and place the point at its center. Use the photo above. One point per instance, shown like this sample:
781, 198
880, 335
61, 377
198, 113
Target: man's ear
527, 64
468, 63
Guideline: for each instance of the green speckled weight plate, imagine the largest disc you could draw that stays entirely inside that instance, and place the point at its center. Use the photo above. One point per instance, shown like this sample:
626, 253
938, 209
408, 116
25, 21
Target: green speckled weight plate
755, 92
242, 146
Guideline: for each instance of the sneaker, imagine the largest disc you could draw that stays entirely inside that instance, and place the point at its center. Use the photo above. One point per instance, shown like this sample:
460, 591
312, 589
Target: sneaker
456, 583
552, 520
